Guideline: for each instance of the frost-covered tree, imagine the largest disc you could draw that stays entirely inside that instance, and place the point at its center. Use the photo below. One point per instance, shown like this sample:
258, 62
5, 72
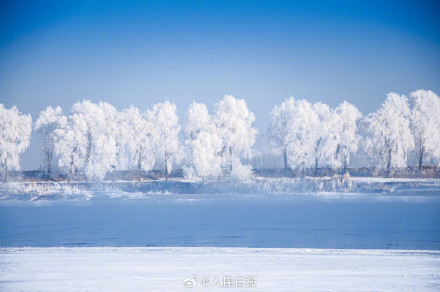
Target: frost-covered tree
87, 140
391, 136
301, 131
101, 143
321, 133
138, 139
202, 142
165, 134
70, 145
300, 139
15, 133
104, 151
46, 125
102, 158
280, 119
197, 119
234, 122
119, 130
425, 118
307, 134
84, 113
344, 129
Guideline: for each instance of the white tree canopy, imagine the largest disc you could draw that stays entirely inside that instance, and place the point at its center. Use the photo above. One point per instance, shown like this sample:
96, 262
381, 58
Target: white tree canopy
202, 142
344, 128
94, 139
280, 119
391, 136
234, 121
324, 137
71, 141
197, 119
307, 134
139, 139
302, 133
102, 157
87, 139
15, 133
165, 134
46, 125
425, 118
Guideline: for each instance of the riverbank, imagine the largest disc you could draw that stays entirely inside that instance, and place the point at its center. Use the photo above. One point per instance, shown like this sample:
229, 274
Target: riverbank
42, 190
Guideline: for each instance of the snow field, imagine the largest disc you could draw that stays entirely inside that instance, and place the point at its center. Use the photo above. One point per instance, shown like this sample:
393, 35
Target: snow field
165, 268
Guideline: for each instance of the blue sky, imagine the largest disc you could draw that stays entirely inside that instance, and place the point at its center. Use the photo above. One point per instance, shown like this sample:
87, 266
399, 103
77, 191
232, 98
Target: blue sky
143, 52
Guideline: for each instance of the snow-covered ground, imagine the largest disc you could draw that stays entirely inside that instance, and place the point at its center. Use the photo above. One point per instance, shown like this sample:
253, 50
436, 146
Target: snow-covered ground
309, 185
396, 180
165, 269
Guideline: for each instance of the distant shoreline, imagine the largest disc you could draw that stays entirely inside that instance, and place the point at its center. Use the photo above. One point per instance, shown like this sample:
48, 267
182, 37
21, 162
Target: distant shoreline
43, 190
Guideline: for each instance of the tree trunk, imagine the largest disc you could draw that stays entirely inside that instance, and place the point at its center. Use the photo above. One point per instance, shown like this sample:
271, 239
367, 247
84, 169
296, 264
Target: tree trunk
6, 171
338, 148
389, 162
71, 168
345, 165
49, 165
166, 167
89, 146
139, 163
118, 155
316, 166
285, 160
230, 159
421, 153
420, 161
316, 153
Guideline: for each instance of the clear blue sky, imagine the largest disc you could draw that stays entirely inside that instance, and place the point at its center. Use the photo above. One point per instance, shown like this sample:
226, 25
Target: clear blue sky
142, 52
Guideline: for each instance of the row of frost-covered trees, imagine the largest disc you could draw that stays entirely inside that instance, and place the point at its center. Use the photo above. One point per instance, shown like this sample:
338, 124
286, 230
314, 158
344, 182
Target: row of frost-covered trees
308, 134
96, 139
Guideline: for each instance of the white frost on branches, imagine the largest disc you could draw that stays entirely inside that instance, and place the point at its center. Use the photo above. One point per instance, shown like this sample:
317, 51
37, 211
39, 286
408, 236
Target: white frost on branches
344, 127
314, 135
391, 137
425, 118
138, 139
95, 139
234, 122
87, 140
165, 134
322, 136
46, 125
294, 129
203, 144
281, 118
15, 133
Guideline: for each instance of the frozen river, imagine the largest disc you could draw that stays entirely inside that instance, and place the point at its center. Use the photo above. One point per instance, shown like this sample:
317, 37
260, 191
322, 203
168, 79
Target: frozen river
326, 242
259, 221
